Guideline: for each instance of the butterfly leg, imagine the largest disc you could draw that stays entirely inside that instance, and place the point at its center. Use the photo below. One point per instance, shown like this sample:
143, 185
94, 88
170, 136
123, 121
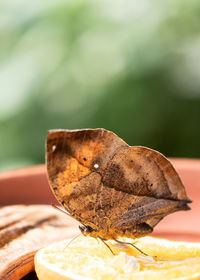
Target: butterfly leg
128, 243
106, 245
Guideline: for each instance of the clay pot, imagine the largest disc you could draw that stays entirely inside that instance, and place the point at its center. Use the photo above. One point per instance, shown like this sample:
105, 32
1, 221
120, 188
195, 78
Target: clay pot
30, 186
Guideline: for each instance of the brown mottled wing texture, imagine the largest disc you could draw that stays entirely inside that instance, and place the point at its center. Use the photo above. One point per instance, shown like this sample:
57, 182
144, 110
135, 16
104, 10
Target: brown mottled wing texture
71, 156
114, 188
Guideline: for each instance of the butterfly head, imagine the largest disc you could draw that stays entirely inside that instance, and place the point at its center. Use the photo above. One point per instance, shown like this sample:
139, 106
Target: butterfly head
86, 230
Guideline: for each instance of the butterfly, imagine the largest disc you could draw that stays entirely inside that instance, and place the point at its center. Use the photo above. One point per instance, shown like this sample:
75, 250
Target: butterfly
114, 190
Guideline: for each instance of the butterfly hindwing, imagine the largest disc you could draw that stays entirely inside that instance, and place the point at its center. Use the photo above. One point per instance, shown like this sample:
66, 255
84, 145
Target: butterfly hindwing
144, 172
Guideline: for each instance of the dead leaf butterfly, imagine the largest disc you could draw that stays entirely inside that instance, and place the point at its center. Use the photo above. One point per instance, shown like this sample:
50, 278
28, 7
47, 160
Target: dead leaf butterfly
114, 190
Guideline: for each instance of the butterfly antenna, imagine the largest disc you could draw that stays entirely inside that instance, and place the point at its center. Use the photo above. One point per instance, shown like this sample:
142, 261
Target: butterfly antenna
128, 243
106, 245
71, 241
60, 209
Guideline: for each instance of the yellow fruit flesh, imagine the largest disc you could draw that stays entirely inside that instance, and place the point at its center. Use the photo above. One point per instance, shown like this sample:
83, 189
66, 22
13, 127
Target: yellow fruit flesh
88, 258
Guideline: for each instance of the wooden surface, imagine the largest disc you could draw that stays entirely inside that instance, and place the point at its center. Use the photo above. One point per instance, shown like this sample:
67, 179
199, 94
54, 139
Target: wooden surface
24, 230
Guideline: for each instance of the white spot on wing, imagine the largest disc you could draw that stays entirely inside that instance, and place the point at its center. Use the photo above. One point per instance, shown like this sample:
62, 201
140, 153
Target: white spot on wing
96, 166
53, 148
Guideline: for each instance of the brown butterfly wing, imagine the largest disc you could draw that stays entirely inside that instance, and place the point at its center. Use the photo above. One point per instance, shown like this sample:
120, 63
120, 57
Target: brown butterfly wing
144, 172
155, 189
75, 161
112, 187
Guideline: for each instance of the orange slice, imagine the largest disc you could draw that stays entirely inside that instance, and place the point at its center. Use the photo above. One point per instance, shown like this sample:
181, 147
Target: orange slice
88, 258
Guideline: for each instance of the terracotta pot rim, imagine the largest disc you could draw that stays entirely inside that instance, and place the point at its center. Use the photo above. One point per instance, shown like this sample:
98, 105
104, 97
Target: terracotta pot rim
192, 163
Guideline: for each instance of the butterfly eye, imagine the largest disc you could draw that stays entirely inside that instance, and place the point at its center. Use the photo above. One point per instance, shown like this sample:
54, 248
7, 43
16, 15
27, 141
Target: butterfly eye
89, 229
53, 148
96, 166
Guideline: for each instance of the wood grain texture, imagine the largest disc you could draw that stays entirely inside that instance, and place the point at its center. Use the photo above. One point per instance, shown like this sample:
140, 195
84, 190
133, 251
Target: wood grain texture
24, 230
113, 189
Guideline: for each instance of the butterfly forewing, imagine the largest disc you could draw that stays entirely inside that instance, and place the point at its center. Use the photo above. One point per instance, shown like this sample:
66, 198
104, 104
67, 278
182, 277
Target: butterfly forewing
75, 161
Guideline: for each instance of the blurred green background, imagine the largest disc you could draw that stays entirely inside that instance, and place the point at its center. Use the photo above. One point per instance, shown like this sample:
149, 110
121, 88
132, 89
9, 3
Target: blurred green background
132, 67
